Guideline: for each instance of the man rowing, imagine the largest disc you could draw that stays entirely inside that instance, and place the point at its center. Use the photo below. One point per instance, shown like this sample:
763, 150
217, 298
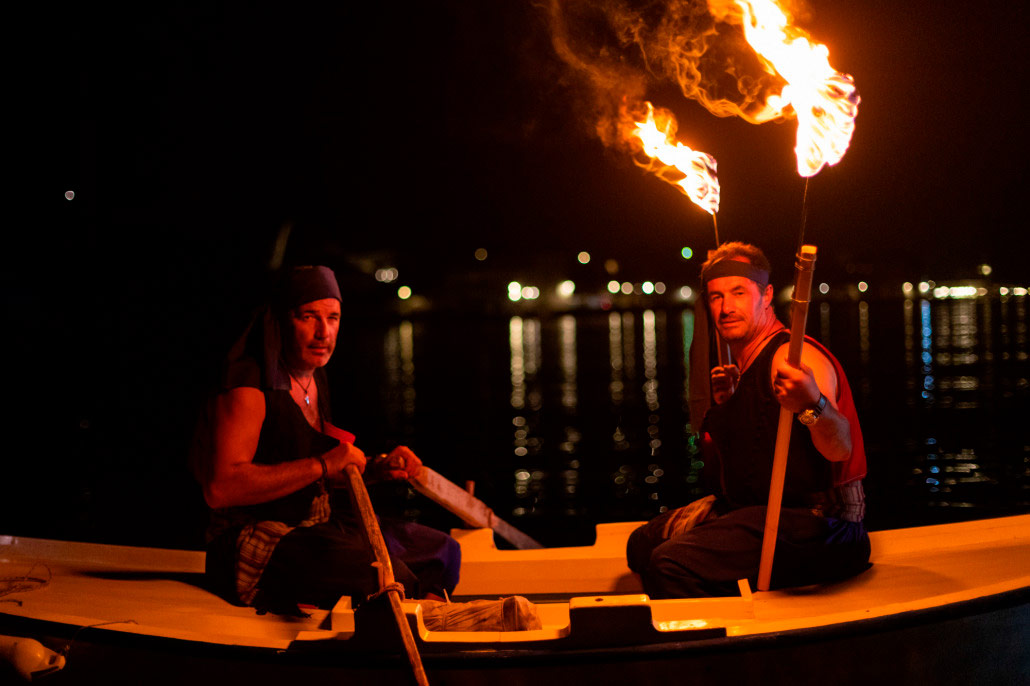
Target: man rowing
271, 465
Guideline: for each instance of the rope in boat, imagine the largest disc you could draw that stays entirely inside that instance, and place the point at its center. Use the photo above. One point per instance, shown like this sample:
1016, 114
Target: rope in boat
24, 583
394, 586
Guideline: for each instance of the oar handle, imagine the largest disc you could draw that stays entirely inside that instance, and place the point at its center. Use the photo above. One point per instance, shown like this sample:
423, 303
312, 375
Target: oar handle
804, 270
363, 505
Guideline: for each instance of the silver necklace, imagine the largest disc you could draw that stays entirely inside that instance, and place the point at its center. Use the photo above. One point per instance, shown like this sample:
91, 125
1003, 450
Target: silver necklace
307, 399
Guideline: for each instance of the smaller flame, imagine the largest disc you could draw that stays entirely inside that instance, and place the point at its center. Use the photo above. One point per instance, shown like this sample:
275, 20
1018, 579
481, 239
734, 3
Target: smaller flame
825, 101
693, 172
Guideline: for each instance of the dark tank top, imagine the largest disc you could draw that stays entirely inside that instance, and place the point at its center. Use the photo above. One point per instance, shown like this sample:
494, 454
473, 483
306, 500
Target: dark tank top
739, 456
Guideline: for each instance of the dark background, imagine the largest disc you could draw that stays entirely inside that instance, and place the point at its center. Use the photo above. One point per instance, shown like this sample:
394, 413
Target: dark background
194, 133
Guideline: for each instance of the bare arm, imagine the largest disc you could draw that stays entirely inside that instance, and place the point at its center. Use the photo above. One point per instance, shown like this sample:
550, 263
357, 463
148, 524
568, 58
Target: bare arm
799, 389
233, 479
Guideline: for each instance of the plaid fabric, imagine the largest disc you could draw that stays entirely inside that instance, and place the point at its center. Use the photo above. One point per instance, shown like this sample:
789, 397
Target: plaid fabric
257, 542
685, 518
852, 501
846, 501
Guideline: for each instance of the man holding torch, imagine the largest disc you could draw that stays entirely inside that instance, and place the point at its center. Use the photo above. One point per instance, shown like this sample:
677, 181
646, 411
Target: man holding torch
704, 548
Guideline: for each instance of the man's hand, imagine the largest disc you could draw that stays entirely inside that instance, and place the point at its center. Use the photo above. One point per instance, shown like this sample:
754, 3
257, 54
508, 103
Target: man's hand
795, 389
724, 382
337, 459
798, 389
401, 463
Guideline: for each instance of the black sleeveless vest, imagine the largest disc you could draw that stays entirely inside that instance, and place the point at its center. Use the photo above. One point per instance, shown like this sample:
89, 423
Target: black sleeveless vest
743, 435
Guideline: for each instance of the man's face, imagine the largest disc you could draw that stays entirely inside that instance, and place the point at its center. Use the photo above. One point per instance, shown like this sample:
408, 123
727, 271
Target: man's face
738, 306
312, 336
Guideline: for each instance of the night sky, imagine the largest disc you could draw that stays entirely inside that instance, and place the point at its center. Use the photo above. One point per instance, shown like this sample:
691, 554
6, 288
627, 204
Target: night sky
446, 126
192, 132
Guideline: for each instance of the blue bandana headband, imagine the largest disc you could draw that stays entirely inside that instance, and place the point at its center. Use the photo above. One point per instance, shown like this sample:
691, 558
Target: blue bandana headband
730, 267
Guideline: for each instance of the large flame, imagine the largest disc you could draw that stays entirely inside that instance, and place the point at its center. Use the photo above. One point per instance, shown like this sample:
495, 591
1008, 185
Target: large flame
692, 171
824, 100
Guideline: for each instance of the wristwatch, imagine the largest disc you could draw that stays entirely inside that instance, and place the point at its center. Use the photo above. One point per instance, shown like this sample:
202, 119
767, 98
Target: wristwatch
811, 415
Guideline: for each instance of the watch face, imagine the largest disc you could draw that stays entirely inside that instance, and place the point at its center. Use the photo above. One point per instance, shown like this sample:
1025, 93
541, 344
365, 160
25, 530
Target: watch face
808, 417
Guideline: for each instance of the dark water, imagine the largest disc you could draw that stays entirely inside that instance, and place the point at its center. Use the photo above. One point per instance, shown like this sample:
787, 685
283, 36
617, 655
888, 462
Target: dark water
564, 420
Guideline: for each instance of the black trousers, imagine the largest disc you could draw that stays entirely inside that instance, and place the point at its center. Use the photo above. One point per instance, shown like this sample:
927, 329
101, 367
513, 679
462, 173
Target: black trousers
317, 565
709, 559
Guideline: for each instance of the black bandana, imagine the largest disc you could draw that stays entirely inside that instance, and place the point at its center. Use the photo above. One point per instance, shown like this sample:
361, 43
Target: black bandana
307, 284
256, 358
729, 267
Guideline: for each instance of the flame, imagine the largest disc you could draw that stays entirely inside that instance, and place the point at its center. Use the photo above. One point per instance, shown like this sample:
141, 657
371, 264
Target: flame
692, 171
825, 100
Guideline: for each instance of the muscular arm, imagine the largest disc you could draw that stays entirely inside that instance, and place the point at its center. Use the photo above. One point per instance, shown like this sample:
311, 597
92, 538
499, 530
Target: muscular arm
799, 389
233, 479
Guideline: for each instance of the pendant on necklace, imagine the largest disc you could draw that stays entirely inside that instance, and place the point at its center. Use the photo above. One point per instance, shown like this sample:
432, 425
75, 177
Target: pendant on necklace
307, 401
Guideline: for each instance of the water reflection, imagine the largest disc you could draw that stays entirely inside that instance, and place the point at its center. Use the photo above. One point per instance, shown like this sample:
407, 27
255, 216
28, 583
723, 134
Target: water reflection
621, 363
598, 426
570, 402
687, 323
824, 324
399, 364
526, 400
970, 455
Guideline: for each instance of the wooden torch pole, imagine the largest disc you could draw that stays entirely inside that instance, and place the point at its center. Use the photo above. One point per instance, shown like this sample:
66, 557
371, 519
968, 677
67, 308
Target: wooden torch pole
804, 269
722, 350
363, 505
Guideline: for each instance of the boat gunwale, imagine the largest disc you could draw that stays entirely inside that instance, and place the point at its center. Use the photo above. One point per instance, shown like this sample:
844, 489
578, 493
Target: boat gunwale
477, 655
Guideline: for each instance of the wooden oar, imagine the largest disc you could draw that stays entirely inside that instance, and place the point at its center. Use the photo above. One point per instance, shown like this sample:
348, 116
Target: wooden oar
468, 508
804, 267
363, 505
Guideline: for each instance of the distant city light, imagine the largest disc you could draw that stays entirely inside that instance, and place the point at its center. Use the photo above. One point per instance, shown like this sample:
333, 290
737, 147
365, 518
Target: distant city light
566, 288
824, 288
386, 275
583, 257
1003, 291
611, 266
481, 254
647, 287
955, 292
687, 252
613, 286
863, 287
403, 292
985, 269
69, 195
1018, 291
686, 292
627, 287
924, 286
530, 292
659, 287
514, 291
907, 287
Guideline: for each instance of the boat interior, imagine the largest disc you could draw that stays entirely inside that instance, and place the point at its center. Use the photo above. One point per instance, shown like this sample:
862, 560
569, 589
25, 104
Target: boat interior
584, 595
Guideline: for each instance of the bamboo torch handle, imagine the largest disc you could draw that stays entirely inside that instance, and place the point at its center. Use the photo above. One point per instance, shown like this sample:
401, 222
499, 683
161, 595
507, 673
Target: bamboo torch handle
804, 269
363, 505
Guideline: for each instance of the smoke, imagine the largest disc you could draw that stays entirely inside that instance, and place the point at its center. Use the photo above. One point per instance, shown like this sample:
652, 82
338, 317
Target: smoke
621, 49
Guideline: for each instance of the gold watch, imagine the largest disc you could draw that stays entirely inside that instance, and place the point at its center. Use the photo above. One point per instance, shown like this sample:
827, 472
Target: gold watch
811, 415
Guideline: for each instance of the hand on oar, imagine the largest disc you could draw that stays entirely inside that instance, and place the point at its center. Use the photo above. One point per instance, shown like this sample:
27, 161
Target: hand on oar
401, 463
339, 458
